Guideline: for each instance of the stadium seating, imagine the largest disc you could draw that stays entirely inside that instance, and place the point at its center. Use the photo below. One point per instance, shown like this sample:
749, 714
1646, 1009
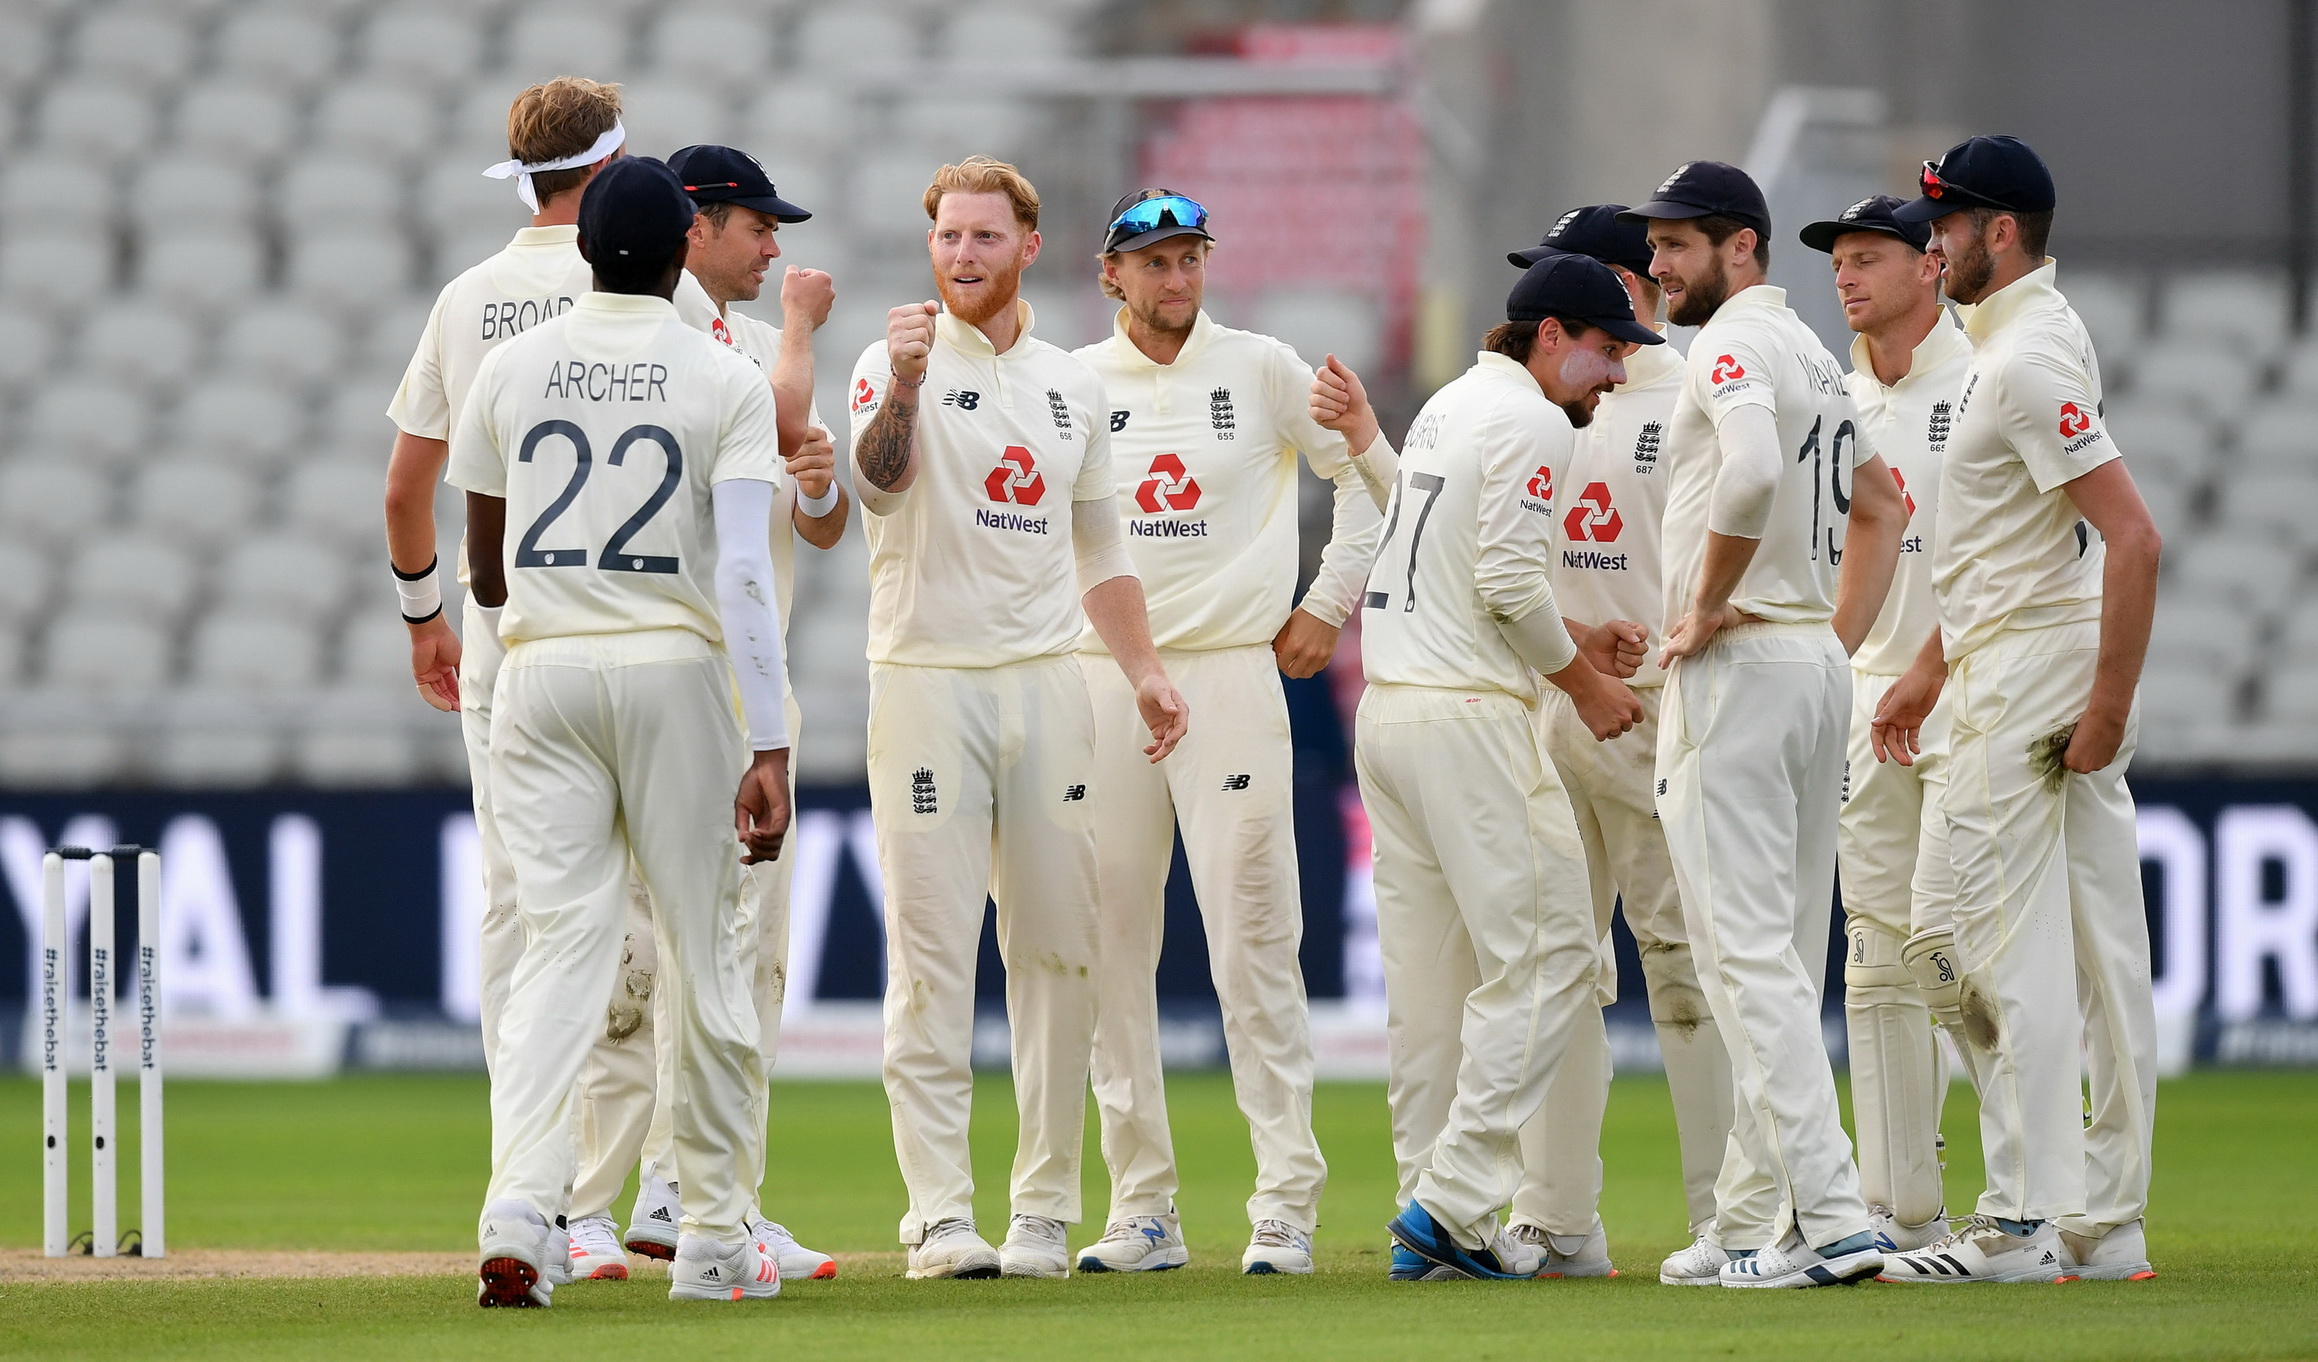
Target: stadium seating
222, 223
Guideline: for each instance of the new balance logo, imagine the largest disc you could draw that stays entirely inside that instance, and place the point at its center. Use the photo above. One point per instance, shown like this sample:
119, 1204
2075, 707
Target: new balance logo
1234, 783
1118, 422
964, 399
921, 799
1071, 794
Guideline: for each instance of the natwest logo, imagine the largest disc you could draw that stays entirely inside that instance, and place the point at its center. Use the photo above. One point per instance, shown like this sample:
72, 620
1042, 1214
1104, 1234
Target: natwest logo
1541, 484
1727, 369
863, 394
1904, 494
1168, 488
718, 329
1016, 479
1594, 519
2074, 420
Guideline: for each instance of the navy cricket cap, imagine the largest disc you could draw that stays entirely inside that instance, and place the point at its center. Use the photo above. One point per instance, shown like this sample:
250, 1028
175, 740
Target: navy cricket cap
1873, 214
1701, 188
714, 174
1579, 287
635, 209
1594, 230
1983, 172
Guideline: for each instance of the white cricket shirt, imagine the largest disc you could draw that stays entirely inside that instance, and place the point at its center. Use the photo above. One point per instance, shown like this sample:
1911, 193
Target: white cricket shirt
604, 429
1909, 424
1204, 450
1755, 351
2013, 553
975, 566
1468, 535
1612, 504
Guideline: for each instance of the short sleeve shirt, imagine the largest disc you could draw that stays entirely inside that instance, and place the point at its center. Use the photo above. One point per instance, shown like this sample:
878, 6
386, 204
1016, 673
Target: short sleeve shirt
1910, 423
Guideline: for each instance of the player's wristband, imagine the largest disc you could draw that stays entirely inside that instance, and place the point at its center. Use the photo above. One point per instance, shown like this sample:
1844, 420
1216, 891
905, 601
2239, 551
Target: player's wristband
898, 381
421, 593
819, 506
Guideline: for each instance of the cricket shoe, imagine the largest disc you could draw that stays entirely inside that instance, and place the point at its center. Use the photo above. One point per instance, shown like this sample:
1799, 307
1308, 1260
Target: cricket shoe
1984, 1251
951, 1248
1791, 1263
1699, 1265
1410, 1266
595, 1250
511, 1271
798, 1263
2121, 1255
652, 1225
1416, 1228
557, 1268
1275, 1247
1139, 1243
1036, 1246
1568, 1255
705, 1270
1892, 1236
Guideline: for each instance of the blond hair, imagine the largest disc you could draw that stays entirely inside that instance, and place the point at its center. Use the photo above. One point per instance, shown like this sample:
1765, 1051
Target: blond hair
985, 175
559, 118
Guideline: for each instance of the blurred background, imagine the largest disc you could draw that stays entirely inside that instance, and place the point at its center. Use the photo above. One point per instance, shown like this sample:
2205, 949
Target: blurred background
222, 223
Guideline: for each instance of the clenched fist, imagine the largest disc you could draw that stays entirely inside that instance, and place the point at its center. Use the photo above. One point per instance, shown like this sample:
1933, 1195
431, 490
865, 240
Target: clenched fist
806, 297
814, 465
909, 339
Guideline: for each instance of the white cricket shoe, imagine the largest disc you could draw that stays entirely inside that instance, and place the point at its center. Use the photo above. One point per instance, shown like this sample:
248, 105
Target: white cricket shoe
951, 1248
1984, 1251
798, 1263
596, 1255
1569, 1255
705, 1270
1892, 1236
1139, 1243
1792, 1263
557, 1269
511, 1272
652, 1225
2121, 1255
1277, 1246
1036, 1246
1699, 1265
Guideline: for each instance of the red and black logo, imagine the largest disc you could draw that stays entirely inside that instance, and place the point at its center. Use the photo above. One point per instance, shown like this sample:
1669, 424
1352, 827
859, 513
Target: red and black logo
1016, 479
1594, 519
1168, 488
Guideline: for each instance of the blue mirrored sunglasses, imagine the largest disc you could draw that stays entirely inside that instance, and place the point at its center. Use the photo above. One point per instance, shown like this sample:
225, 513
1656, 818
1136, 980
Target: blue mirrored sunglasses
1144, 216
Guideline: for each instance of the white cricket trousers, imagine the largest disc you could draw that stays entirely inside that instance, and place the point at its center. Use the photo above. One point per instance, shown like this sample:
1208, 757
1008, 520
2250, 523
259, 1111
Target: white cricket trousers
980, 784
2052, 936
606, 747
624, 1112
1486, 925
1230, 785
1611, 791
1891, 846
1750, 749
480, 656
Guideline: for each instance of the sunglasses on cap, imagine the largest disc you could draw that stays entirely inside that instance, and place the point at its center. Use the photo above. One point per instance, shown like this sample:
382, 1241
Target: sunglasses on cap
1936, 188
1144, 215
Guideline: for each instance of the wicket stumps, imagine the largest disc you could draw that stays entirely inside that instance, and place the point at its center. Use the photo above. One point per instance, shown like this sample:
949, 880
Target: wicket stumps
105, 1238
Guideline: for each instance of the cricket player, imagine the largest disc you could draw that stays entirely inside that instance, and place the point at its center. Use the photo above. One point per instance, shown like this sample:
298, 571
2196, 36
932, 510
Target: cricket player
1907, 370
984, 471
1206, 425
621, 470
1608, 505
2045, 571
1483, 913
1772, 486
731, 245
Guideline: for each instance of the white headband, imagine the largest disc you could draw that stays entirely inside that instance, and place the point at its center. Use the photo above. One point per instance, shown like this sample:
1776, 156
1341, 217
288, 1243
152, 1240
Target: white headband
521, 171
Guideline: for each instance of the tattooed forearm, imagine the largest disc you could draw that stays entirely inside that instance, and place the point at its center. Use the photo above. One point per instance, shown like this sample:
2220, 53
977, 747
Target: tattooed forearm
886, 447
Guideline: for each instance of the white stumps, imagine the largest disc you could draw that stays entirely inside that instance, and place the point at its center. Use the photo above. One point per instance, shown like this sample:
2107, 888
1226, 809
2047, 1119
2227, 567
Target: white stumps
152, 1202
104, 1179
55, 989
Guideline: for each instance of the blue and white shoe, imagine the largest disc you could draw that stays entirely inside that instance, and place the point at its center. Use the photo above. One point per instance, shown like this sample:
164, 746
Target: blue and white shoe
1410, 1266
1277, 1247
1428, 1239
1137, 1243
1793, 1263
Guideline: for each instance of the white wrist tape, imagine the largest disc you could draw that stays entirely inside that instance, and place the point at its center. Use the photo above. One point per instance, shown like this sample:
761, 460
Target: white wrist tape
421, 593
819, 506
521, 171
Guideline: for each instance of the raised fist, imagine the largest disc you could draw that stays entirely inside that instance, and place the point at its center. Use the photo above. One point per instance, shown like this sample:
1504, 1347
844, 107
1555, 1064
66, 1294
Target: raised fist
806, 297
909, 339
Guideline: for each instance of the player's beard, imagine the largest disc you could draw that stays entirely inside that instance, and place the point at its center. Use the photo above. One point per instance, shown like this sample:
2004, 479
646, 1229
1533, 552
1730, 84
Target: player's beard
1586, 371
1701, 298
997, 294
1970, 271
1151, 320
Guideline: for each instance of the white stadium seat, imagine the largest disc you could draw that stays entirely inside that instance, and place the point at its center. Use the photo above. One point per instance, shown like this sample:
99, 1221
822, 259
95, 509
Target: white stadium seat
24, 573
2204, 370
24, 45
846, 37
324, 192
290, 575
374, 652
97, 117
338, 498
2271, 504
393, 333
2291, 693
140, 340
436, 44
196, 502
57, 739
210, 268
662, 116
2162, 435
2246, 307
953, 126
13, 650
35, 189
1003, 33
132, 576
2298, 636
235, 120
351, 269
262, 652
278, 45
376, 118
135, 42
52, 501
478, 130
2111, 307
283, 340
354, 417
2198, 624
2256, 571
89, 418
455, 197
550, 40
800, 112
359, 736
106, 651
2281, 435
27, 346
216, 740
714, 43
192, 193
54, 266
239, 421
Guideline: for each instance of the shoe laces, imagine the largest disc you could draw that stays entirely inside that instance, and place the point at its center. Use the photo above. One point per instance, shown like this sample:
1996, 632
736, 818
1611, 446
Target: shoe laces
773, 1232
1281, 1234
1128, 1230
956, 1224
1039, 1226
1526, 1233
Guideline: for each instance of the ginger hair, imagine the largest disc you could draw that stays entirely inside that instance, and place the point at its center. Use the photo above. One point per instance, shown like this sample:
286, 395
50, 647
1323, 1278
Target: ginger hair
985, 175
559, 118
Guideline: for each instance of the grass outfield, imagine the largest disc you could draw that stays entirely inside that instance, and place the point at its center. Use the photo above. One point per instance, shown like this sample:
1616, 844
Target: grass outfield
396, 1163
